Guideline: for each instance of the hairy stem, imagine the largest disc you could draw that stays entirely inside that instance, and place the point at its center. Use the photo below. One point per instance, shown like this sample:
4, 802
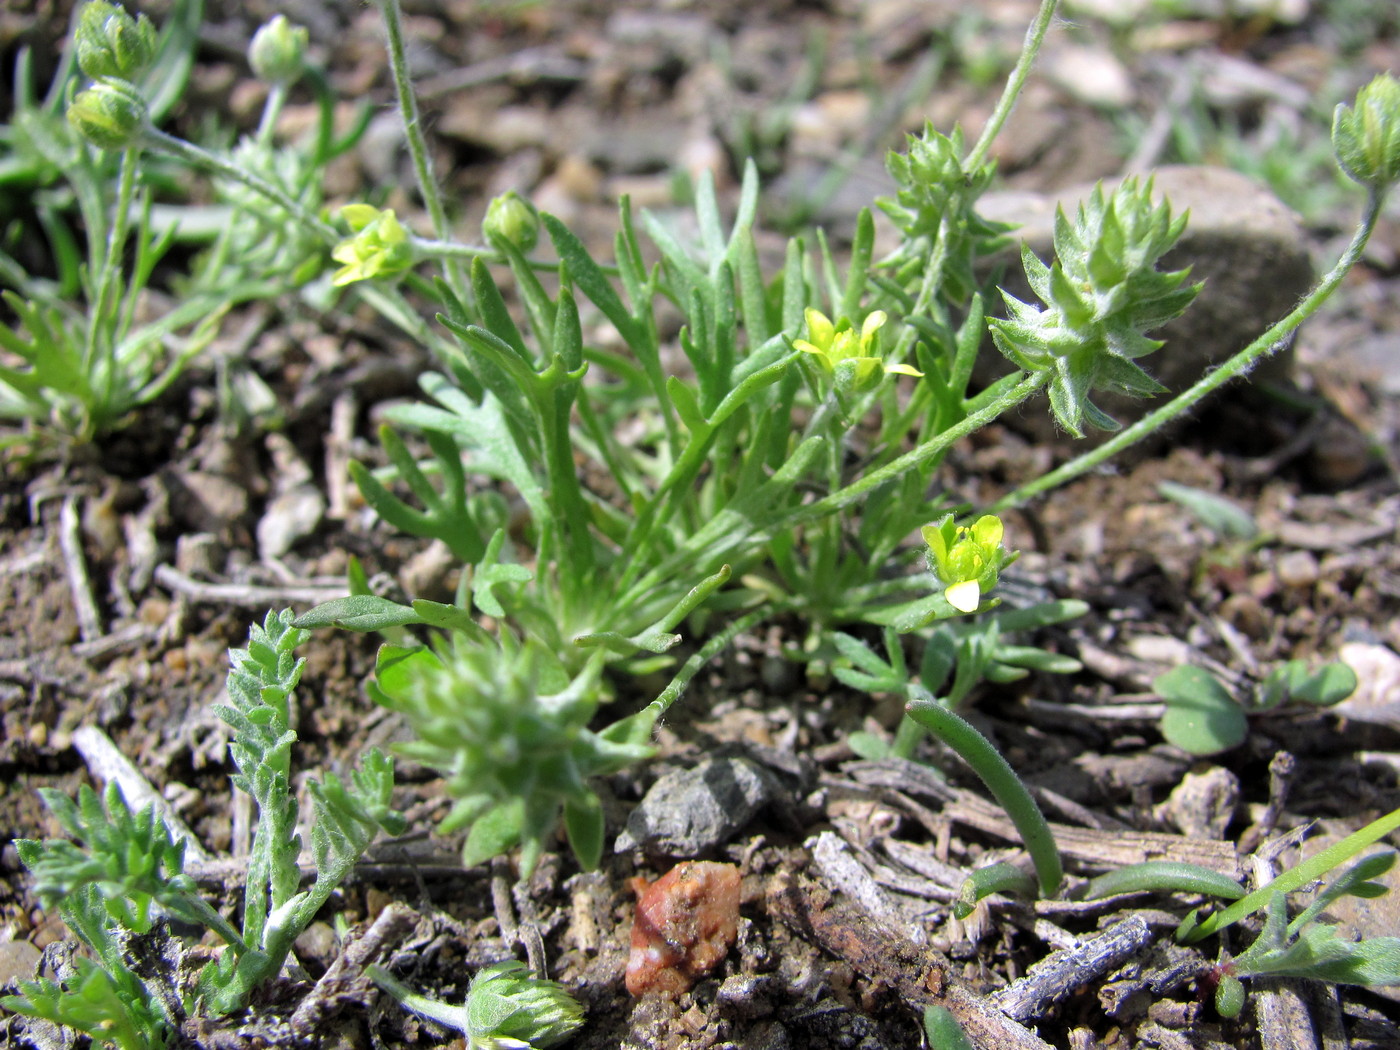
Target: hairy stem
1035, 36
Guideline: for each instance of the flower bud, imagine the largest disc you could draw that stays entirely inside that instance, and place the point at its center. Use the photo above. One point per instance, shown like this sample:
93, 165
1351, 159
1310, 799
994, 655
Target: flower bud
379, 248
508, 1003
278, 51
110, 43
1366, 138
111, 114
512, 218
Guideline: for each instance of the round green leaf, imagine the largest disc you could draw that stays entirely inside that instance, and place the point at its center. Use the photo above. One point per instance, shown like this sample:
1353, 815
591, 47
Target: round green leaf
1201, 717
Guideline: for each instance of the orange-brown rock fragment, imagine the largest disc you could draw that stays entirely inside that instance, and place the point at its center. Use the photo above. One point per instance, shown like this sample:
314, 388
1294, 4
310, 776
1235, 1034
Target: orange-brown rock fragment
687, 921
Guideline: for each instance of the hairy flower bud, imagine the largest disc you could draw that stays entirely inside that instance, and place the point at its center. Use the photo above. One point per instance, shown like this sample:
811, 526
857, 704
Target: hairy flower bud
110, 43
1366, 138
278, 51
512, 218
111, 114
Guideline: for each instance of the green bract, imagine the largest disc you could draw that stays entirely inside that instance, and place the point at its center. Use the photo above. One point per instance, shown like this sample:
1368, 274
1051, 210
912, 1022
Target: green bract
1102, 295
1366, 137
966, 558
933, 210
111, 114
278, 51
110, 43
380, 247
510, 733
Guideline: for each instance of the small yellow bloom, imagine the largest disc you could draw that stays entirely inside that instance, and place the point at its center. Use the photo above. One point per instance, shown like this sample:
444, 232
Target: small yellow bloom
854, 360
380, 247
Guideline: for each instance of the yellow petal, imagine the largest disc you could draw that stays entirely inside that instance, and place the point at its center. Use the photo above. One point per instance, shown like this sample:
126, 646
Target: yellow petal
904, 370
871, 325
358, 216
819, 327
965, 596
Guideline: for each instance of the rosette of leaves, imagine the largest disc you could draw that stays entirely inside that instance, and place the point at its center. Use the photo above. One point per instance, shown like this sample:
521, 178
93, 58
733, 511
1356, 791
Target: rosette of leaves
933, 209
509, 730
1102, 295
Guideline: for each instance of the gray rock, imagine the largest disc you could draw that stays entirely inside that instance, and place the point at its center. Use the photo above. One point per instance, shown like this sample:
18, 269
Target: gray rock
290, 516
691, 811
1241, 240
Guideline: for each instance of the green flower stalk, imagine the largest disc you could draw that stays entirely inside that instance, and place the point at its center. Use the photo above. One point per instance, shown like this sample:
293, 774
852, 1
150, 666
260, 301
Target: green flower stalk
853, 360
278, 51
110, 43
507, 1008
379, 248
966, 558
1102, 295
111, 114
1366, 137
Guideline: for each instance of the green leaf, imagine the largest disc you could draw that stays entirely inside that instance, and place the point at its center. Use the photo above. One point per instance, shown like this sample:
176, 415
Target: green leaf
494, 832
1202, 717
358, 612
1227, 520
583, 820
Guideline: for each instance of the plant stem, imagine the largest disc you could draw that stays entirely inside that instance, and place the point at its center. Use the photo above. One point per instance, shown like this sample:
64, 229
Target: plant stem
413, 131
705, 653
272, 109
192, 154
101, 365
1035, 36
1237, 365
1316, 866
916, 457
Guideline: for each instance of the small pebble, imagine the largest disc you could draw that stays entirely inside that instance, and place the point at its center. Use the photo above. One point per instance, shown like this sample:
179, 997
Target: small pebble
691, 811
1297, 569
686, 922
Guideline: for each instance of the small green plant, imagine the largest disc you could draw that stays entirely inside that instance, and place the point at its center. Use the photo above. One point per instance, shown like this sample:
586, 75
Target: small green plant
1204, 717
72, 371
125, 872
1309, 947
606, 503
507, 1008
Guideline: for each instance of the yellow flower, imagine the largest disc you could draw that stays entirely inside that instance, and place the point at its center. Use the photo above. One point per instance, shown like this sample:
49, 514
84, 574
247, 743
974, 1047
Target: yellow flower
380, 247
966, 558
853, 360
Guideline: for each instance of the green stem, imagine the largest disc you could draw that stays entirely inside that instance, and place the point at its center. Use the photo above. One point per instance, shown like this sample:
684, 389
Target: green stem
201, 158
1001, 780
101, 362
272, 109
1237, 365
907, 738
1163, 876
1316, 866
413, 131
1035, 36
917, 457
703, 655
